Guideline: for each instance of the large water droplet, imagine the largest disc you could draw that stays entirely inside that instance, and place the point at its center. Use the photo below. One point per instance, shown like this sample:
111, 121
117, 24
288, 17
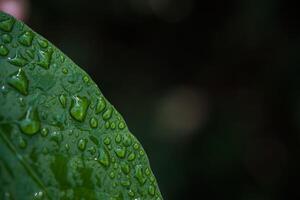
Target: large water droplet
19, 81
44, 58
139, 174
93, 122
120, 152
82, 144
107, 114
79, 108
7, 24
30, 124
125, 183
3, 50
18, 60
26, 38
103, 157
100, 105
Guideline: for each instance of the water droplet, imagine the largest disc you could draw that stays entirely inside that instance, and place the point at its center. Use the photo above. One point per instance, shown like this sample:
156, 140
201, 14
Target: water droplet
85, 79
82, 144
100, 105
131, 156
121, 125
136, 146
118, 138
22, 102
139, 174
26, 38
127, 141
43, 43
92, 150
30, 53
7, 24
38, 195
125, 168
147, 171
93, 122
18, 60
107, 114
30, 124
19, 81
120, 152
57, 137
142, 152
152, 179
103, 157
151, 190
3, 50
107, 125
44, 58
6, 38
112, 175
131, 193
112, 125
63, 100
106, 140
67, 146
44, 132
79, 108
62, 58
22, 143
125, 183
65, 70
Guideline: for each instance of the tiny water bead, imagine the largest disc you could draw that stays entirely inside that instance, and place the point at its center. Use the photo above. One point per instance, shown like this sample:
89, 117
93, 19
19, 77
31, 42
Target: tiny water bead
19, 81
121, 125
125, 168
106, 140
3, 50
44, 132
103, 157
118, 138
101, 104
79, 108
6, 38
136, 146
82, 144
22, 143
127, 141
151, 190
112, 126
65, 70
93, 122
85, 79
131, 156
7, 24
30, 124
131, 193
63, 100
26, 38
112, 175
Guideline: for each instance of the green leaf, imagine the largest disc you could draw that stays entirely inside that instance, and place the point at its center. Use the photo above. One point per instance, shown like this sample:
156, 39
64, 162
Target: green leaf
59, 137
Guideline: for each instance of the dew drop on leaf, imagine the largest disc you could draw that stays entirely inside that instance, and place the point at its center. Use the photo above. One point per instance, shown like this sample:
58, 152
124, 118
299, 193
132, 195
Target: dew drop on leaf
30, 124
19, 81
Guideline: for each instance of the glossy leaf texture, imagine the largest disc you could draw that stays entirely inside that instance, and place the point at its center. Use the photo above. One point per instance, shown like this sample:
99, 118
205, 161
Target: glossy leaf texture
59, 137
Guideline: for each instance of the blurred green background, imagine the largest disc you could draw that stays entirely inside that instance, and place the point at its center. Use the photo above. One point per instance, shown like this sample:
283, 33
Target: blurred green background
210, 88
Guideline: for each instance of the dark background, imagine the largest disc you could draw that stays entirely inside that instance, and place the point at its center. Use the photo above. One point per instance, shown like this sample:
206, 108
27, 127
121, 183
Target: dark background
210, 88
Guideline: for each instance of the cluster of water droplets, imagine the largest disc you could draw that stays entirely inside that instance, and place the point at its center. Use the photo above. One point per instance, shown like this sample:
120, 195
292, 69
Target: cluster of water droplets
118, 152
